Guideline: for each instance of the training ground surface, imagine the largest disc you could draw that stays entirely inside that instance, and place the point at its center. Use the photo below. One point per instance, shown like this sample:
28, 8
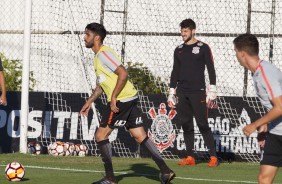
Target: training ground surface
47, 169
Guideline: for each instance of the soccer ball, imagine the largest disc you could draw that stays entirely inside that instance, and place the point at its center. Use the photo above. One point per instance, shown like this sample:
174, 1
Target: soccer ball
14, 171
69, 149
56, 148
34, 148
80, 150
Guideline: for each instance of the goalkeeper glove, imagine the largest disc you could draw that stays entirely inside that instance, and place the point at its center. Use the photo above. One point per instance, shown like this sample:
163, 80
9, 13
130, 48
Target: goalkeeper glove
172, 99
211, 97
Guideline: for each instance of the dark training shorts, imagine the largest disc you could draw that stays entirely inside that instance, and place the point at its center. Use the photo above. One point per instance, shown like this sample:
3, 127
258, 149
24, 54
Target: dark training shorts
129, 116
272, 154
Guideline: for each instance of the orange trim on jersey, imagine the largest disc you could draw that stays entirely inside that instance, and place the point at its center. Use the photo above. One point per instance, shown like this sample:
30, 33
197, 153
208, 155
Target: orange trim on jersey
266, 81
258, 64
107, 56
111, 117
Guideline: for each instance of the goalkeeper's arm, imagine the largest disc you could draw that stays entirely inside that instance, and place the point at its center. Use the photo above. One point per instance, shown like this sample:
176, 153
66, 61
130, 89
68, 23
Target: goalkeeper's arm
211, 89
172, 99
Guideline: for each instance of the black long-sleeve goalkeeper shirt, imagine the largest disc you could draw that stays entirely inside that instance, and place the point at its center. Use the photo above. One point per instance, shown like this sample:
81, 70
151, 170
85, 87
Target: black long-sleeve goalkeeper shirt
188, 73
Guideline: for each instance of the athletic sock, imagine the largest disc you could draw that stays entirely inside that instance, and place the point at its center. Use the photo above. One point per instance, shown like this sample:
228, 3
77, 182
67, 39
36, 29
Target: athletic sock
154, 152
105, 148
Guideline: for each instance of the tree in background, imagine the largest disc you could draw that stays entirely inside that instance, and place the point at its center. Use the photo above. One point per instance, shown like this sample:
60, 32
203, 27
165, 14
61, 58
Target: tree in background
13, 74
144, 80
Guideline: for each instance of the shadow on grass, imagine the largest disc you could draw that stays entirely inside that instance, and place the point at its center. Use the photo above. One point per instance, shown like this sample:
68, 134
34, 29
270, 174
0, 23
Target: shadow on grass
140, 170
25, 179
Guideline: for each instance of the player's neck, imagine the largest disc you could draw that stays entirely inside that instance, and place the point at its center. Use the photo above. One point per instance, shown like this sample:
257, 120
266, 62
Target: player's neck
254, 63
192, 41
97, 47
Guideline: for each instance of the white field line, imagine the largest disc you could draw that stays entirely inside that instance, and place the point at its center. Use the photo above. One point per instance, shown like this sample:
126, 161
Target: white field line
139, 174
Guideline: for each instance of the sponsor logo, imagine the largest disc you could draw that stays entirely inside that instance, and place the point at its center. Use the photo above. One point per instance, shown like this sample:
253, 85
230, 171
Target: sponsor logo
228, 138
162, 132
120, 123
138, 121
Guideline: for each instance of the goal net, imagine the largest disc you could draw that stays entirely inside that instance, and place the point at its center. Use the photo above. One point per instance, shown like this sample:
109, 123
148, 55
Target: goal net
146, 32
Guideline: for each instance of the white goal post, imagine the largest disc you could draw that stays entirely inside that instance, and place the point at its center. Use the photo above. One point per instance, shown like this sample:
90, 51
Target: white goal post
25, 78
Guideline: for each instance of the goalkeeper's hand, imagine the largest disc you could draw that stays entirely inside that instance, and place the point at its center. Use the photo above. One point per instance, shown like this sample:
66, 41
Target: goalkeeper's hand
211, 97
171, 99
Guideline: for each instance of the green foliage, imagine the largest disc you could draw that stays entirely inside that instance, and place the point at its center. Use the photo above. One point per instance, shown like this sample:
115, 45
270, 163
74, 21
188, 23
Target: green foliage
143, 79
13, 74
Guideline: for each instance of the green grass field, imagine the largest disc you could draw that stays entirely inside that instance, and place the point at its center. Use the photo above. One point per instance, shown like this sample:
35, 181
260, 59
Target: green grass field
47, 169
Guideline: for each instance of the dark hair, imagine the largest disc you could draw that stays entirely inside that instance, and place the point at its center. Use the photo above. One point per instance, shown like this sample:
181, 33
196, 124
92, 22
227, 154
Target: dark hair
188, 23
98, 29
248, 43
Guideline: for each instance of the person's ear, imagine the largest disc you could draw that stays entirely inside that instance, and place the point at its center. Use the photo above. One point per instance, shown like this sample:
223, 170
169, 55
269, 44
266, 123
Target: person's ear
97, 38
243, 54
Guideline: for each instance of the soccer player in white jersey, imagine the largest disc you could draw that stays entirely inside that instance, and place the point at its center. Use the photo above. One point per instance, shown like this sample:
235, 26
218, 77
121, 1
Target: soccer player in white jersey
121, 110
268, 86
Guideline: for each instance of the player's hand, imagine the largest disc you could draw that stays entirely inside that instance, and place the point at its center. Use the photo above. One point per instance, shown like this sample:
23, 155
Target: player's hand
249, 129
262, 131
211, 97
211, 93
3, 101
85, 109
113, 105
171, 99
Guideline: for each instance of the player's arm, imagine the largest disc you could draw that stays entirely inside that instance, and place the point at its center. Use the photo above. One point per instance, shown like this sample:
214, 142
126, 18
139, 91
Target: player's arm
112, 62
210, 65
271, 115
175, 71
211, 89
122, 74
3, 98
95, 94
172, 100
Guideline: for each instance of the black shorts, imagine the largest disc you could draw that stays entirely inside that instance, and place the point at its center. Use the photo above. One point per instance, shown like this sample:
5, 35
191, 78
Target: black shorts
272, 154
129, 116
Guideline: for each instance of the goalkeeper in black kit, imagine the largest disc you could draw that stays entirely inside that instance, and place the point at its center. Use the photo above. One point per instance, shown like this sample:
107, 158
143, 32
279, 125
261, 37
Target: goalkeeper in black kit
188, 92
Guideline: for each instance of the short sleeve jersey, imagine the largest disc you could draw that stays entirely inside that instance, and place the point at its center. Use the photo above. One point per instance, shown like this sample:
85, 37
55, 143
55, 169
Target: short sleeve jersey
268, 85
106, 62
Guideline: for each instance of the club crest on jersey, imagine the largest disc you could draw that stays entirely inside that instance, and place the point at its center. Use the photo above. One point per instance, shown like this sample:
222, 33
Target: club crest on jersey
196, 50
162, 133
